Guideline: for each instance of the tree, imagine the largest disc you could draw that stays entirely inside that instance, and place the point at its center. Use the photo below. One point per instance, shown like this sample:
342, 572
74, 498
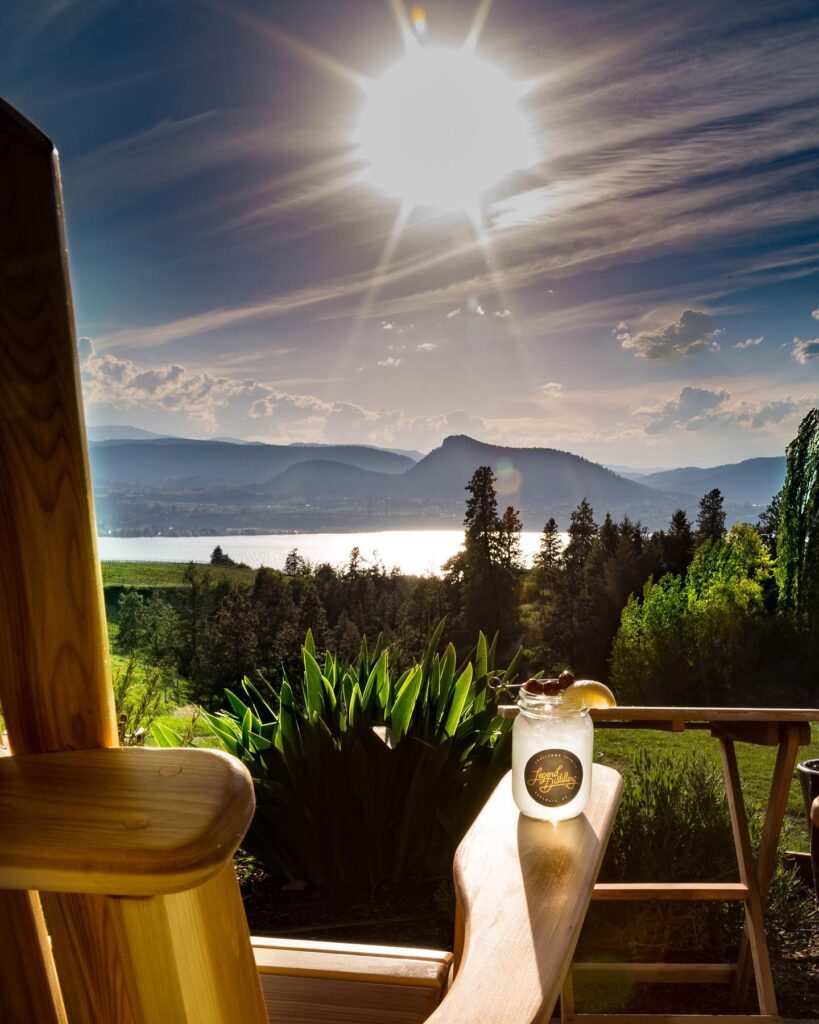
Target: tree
160, 645
132, 621
233, 642
274, 607
711, 517
294, 563
481, 517
312, 615
798, 534
677, 544
509, 530
548, 557
568, 621
700, 640
218, 557
582, 533
483, 578
194, 610
609, 535
768, 525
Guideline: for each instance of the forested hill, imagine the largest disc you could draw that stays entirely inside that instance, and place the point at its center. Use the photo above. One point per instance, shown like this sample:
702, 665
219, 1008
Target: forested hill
526, 476
172, 484
754, 481
176, 461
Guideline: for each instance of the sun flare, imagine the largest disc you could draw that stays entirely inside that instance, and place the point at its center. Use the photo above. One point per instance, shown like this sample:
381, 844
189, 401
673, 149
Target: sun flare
441, 127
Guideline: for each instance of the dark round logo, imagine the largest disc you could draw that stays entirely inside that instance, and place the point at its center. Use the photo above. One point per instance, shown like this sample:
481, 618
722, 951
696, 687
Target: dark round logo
553, 777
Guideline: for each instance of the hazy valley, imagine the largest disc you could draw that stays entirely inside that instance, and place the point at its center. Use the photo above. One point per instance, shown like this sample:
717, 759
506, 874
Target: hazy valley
146, 484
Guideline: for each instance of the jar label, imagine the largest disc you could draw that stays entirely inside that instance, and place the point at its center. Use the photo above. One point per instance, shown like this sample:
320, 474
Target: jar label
553, 777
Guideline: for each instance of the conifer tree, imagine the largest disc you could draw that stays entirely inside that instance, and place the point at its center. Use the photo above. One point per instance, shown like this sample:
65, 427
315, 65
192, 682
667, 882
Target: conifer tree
510, 555
548, 557
677, 543
711, 517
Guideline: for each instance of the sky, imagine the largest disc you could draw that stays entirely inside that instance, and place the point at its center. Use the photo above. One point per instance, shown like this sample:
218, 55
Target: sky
645, 292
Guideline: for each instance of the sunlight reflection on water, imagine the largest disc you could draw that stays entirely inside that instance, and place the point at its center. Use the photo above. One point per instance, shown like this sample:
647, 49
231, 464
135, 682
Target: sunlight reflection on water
415, 552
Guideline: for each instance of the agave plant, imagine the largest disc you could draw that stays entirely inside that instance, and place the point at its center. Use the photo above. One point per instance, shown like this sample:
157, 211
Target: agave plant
366, 774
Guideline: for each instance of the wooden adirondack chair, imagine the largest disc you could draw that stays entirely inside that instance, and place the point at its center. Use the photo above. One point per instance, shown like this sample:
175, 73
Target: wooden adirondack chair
118, 899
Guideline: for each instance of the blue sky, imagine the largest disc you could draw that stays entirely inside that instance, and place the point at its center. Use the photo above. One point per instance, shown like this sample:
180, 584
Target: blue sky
647, 293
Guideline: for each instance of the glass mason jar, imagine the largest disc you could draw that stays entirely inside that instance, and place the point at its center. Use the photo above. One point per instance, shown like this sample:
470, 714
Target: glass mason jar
552, 751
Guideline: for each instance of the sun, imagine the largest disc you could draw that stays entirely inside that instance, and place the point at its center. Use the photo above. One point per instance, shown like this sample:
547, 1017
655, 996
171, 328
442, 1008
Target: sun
441, 127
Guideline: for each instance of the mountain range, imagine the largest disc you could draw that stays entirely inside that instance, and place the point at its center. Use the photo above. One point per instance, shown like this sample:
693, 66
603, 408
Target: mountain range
160, 484
753, 481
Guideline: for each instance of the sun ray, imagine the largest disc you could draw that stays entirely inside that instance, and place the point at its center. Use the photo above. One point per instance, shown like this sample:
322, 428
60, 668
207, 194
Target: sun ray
405, 25
497, 278
260, 27
380, 273
478, 22
260, 215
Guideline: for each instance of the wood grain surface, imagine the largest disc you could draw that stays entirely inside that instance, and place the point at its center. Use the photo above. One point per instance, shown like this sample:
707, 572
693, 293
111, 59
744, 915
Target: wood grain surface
524, 887
120, 822
55, 687
345, 983
55, 676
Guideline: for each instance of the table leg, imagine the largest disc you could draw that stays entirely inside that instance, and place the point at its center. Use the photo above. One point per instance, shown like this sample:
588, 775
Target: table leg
567, 999
754, 921
766, 859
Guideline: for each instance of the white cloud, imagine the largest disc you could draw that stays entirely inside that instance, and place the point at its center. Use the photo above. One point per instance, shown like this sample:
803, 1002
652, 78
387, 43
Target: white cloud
123, 384
387, 325
427, 346
691, 410
697, 408
750, 342
773, 412
551, 390
172, 396
692, 332
503, 313
390, 361
815, 314
805, 351
453, 312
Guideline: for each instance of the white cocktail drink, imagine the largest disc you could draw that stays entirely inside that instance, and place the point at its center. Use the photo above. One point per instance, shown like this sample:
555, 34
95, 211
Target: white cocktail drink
552, 750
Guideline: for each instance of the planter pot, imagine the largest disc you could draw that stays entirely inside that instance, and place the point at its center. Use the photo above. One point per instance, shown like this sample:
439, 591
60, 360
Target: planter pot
809, 780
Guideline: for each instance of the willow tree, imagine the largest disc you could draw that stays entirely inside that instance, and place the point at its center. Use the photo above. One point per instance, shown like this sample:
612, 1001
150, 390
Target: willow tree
797, 543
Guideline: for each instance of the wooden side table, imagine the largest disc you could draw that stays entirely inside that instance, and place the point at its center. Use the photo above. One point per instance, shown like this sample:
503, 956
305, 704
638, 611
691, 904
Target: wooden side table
786, 729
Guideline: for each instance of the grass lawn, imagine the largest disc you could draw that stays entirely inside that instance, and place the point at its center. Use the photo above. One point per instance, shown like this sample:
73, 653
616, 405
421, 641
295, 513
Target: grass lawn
619, 747
165, 574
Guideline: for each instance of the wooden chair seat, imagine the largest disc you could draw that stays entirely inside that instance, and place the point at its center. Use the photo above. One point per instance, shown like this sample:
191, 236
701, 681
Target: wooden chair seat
345, 983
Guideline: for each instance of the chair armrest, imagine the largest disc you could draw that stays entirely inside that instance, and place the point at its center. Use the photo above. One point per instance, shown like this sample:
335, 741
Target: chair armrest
120, 822
523, 889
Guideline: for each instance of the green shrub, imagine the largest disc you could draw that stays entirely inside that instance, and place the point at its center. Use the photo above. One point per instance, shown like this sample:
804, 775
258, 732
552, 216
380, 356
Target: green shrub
673, 825
362, 775
137, 702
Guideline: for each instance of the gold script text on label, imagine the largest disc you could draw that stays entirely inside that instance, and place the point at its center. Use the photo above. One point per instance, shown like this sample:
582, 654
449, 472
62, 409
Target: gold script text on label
553, 777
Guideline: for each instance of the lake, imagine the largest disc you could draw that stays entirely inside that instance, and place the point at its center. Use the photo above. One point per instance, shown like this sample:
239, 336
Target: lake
415, 552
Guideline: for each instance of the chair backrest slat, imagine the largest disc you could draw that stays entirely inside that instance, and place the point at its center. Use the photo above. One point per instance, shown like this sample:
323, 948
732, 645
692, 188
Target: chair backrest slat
55, 677
55, 686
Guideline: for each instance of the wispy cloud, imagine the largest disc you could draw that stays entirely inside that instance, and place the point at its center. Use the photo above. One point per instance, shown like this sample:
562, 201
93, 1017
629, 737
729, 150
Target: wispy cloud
750, 342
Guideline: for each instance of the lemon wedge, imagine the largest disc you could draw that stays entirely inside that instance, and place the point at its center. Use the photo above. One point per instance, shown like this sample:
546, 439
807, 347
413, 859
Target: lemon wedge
591, 694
